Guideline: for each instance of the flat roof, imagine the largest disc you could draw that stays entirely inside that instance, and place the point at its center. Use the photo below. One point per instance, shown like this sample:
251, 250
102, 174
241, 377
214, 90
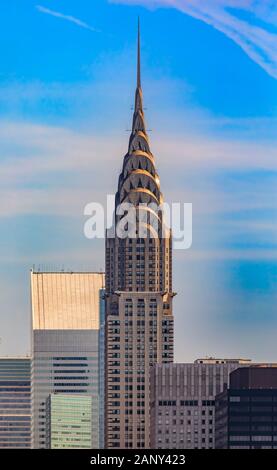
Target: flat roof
66, 300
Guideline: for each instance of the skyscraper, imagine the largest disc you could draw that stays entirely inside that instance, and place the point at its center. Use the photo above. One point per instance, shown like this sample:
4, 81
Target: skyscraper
101, 361
15, 402
139, 321
183, 402
246, 412
65, 344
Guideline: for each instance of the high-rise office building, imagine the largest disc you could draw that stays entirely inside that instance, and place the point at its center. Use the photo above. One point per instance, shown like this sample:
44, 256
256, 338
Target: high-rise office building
69, 421
139, 319
246, 412
183, 402
15, 402
101, 362
65, 344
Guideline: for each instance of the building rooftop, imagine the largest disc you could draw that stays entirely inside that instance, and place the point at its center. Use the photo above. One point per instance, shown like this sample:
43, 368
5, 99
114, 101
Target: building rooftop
62, 300
254, 377
215, 360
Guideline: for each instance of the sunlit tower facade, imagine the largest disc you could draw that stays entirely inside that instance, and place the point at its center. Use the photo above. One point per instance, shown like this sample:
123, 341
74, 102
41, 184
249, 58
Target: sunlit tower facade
139, 319
66, 350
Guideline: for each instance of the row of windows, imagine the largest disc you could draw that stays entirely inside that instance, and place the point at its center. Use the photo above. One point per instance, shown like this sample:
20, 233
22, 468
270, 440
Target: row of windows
18, 406
71, 365
15, 428
15, 418
194, 422
188, 412
257, 398
18, 439
70, 358
15, 395
16, 383
186, 403
252, 438
181, 441
130, 411
17, 445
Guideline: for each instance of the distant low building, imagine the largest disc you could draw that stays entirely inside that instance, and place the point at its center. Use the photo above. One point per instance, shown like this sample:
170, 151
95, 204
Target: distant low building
213, 360
15, 402
69, 421
183, 402
246, 412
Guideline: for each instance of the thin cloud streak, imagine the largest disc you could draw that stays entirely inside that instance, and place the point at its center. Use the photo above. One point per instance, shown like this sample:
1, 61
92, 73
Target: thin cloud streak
42, 156
69, 18
48, 149
258, 42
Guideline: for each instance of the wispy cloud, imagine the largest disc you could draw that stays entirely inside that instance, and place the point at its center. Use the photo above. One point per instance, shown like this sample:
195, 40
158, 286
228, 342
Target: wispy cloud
70, 18
36, 158
254, 33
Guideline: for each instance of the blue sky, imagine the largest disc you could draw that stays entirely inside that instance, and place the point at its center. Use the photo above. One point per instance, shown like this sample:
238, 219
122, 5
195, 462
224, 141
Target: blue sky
67, 77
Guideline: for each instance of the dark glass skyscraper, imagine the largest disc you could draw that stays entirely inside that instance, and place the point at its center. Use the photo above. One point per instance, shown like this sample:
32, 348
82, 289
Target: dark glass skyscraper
139, 327
246, 412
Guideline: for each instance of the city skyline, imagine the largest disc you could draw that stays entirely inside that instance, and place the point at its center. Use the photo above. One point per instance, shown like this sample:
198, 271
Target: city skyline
63, 123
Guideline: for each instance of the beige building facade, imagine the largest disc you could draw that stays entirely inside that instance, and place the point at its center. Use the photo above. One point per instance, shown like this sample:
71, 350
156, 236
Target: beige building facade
183, 402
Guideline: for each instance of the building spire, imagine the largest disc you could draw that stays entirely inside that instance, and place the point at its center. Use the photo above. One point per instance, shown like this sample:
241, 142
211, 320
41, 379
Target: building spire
138, 58
138, 181
138, 118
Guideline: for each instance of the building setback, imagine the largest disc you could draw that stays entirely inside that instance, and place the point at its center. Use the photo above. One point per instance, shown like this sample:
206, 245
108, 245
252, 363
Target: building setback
65, 344
139, 326
183, 402
69, 421
246, 412
15, 402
